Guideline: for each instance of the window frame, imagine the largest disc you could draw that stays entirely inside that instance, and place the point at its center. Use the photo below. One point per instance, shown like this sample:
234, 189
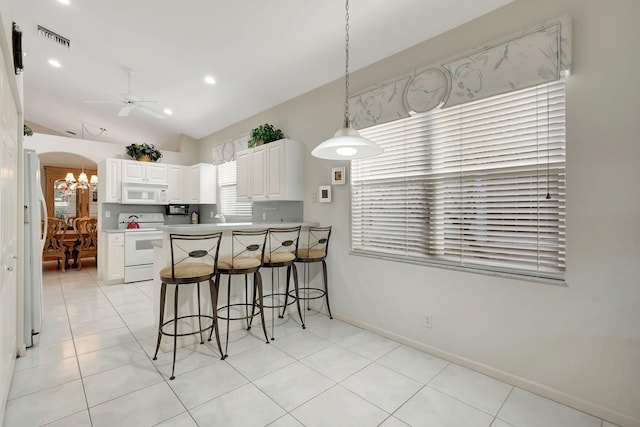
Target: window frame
502, 271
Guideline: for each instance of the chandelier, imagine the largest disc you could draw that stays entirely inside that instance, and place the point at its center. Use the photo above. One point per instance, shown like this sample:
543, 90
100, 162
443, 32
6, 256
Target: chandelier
69, 186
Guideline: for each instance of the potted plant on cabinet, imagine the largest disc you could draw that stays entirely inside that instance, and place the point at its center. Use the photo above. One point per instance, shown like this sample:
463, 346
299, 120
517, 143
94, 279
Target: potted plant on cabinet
264, 134
144, 152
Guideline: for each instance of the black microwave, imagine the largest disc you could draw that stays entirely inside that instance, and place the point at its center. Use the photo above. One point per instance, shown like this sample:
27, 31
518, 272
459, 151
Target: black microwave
176, 210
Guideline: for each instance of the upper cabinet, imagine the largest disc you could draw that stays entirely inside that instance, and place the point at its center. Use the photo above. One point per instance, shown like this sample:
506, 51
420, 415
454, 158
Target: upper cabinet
177, 183
271, 171
144, 172
110, 181
202, 184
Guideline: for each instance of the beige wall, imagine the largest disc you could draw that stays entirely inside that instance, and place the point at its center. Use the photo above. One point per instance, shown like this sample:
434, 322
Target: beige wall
97, 151
579, 344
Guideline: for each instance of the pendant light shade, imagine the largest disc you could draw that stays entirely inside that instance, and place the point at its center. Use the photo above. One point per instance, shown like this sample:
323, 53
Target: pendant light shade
346, 144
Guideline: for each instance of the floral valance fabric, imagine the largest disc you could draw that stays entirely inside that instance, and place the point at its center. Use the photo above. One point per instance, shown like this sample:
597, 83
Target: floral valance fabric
523, 60
226, 150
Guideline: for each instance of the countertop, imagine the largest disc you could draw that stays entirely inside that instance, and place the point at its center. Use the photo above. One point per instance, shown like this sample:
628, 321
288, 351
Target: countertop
135, 230
228, 226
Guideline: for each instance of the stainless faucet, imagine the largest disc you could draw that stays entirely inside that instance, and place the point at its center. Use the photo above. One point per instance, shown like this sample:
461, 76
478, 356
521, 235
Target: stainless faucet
220, 217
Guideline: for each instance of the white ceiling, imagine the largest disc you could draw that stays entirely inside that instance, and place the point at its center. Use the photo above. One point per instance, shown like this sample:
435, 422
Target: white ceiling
260, 52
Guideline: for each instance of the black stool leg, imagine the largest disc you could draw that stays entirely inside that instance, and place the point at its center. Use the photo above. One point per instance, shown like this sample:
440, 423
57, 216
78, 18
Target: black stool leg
213, 289
326, 287
297, 289
175, 332
199, 314
226, 346
257, 278
163, 295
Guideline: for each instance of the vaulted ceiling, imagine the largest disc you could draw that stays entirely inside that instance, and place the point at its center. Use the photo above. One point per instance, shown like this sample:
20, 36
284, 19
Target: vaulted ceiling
260, 53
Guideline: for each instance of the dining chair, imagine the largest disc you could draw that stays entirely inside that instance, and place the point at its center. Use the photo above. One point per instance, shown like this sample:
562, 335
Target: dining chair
54, 246
87, 244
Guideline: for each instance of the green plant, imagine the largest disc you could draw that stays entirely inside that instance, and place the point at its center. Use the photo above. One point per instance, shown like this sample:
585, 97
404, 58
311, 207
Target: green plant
27, 131
266, 133
140, 150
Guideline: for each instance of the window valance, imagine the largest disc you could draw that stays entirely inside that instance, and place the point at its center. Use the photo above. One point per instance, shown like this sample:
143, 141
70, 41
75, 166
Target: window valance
226, 150
523, 60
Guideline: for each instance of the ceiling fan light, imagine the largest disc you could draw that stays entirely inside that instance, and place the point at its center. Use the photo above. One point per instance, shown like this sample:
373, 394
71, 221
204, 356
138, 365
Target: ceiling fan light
346, 144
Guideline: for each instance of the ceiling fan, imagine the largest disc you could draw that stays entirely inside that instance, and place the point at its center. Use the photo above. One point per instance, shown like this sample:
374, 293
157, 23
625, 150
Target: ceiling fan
130, 101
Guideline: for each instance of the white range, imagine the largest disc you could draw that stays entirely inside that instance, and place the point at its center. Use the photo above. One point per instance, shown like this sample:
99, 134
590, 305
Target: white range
140, 230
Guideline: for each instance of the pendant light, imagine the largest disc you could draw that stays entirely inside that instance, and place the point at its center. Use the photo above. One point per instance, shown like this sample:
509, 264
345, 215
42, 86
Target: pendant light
346, 144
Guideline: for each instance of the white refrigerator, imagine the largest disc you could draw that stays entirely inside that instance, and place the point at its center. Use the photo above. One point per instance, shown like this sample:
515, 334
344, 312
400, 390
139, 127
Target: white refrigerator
35, 210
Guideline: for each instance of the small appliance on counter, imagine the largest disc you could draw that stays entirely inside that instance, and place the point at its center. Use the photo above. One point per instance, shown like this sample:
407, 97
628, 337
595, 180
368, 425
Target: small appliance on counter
176, 210
140, 230
194, 217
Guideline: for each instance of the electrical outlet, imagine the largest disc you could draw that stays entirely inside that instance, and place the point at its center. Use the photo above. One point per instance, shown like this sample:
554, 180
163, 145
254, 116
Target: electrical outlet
211, 214
314, 197
107, 214
427, 321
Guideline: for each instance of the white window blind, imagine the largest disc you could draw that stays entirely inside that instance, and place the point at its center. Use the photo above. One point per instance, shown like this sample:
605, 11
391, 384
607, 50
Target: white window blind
467, 186
228, 204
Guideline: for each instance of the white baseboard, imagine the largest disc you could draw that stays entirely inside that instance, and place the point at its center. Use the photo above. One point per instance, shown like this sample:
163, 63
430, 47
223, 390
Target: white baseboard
550, 393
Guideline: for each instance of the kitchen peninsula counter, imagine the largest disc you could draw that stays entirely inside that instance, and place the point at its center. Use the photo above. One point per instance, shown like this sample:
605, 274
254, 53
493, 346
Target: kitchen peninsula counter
230, 226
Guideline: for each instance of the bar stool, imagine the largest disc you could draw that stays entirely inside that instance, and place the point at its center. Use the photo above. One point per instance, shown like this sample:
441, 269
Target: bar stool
247, 255
315, 251
193, 260
282, 246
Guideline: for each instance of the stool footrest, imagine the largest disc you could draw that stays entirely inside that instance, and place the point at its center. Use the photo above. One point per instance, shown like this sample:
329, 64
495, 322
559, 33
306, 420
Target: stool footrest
272, 296
169, 322
320, 293
256, 312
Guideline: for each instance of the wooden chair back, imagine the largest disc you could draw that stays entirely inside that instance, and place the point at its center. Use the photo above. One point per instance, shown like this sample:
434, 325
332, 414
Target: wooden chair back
87, 229
53, 246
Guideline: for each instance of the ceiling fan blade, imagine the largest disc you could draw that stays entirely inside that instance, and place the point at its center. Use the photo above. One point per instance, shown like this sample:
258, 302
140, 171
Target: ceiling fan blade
151, 111
102, 102
124, 111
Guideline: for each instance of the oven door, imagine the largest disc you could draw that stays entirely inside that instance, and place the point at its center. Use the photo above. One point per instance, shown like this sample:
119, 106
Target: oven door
138, 255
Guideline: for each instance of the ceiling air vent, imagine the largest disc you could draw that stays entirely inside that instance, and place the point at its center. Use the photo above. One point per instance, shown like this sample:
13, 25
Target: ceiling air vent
55, 37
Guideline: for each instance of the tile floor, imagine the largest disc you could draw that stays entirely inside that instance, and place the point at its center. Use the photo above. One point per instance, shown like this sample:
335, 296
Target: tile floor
93, 367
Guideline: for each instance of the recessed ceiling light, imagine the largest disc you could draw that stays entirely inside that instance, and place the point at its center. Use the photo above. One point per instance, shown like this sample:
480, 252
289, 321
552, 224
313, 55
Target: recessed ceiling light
210, 80
168, 112
64, 1
55, 63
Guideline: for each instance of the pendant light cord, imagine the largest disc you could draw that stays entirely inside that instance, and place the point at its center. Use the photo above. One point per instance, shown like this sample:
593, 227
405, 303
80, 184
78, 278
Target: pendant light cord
346, 67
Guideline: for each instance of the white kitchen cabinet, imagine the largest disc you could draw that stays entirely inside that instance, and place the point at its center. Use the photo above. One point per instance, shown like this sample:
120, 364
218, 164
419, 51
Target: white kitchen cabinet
272, 171
110, 181
177, 183
243, 174
115, 257
144, 172
202, 184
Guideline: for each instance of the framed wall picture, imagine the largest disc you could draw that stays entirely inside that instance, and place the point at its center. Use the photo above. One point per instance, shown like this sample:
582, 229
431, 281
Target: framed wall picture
324, 194
338, 176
